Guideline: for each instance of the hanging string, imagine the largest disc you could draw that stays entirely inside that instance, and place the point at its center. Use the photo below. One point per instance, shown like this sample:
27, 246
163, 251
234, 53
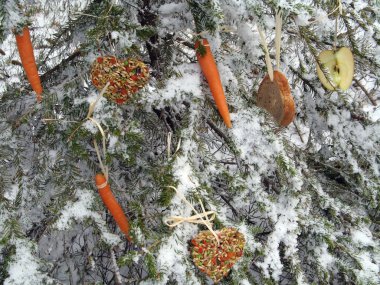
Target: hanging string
199, 218
278, 37
169, 144
267, 57
340, 7
102, 165
90, 110
99, 154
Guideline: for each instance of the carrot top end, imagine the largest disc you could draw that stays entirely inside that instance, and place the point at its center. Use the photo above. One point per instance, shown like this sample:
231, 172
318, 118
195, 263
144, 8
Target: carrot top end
100, 179
200, 47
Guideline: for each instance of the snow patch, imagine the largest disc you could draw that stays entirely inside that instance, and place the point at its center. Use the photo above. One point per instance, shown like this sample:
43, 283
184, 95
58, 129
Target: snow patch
11, 193
78, 210
24, 267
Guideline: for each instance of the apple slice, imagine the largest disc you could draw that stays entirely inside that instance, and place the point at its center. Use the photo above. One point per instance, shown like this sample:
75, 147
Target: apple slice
340, 68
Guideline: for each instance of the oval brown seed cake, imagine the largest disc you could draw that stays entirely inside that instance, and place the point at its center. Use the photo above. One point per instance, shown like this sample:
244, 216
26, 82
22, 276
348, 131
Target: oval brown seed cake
275, 97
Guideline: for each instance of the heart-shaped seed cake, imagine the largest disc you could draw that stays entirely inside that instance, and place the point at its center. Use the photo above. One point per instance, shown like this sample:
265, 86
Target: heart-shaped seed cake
216, 261
126, 76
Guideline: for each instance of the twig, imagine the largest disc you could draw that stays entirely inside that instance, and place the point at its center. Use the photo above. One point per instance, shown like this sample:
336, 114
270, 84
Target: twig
118, 278
76, 129
184, 42
298, 131
306, 81
227, 201
365, 92
228, 141
62, 63
60, 120
17, 122
132, 5
218, 131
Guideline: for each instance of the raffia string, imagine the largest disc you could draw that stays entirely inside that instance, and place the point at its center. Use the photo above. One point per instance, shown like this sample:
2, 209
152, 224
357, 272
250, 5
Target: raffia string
277, 44
89, 117
102, 165
90, 110
339, 7
199, 218
267, 57
278, 37
169, 143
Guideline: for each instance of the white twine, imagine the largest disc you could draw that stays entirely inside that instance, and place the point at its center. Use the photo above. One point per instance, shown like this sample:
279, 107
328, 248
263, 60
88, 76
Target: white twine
278, 37
169, 143
267, 57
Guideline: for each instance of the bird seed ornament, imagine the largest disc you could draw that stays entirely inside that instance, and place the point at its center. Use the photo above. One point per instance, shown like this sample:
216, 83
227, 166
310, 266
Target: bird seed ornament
216, 259
213, 252
338, 63
274, 93
126, 77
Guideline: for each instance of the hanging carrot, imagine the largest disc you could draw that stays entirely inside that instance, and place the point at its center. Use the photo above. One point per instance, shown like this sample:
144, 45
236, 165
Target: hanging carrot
25, 50
112, 205
210, 71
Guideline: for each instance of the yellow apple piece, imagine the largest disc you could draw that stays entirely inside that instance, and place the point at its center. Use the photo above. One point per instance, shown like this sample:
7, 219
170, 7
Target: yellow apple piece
345, 61
340, 67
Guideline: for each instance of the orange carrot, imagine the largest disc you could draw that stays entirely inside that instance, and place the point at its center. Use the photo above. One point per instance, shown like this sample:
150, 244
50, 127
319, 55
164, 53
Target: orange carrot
25, 50
112, 204
211, 73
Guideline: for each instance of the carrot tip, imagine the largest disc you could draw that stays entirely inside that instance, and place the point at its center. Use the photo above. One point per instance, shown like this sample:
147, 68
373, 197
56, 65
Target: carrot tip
229, 125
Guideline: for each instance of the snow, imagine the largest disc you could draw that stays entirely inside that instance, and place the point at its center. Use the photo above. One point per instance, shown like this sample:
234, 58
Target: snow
285, 230
257, 146
175, 262
325, 259
24, 267
363, 237
184, 86
169, 17
302, 19
78, 210
370, 271
12, 192
170, 8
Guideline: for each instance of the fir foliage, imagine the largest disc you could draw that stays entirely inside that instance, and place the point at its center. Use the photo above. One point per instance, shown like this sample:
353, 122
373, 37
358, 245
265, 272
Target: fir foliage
306, 197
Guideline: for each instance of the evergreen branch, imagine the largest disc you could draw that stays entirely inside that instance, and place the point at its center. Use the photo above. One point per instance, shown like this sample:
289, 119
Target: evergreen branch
365, 91
226, 139
62, 64
305, 80
205, 15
